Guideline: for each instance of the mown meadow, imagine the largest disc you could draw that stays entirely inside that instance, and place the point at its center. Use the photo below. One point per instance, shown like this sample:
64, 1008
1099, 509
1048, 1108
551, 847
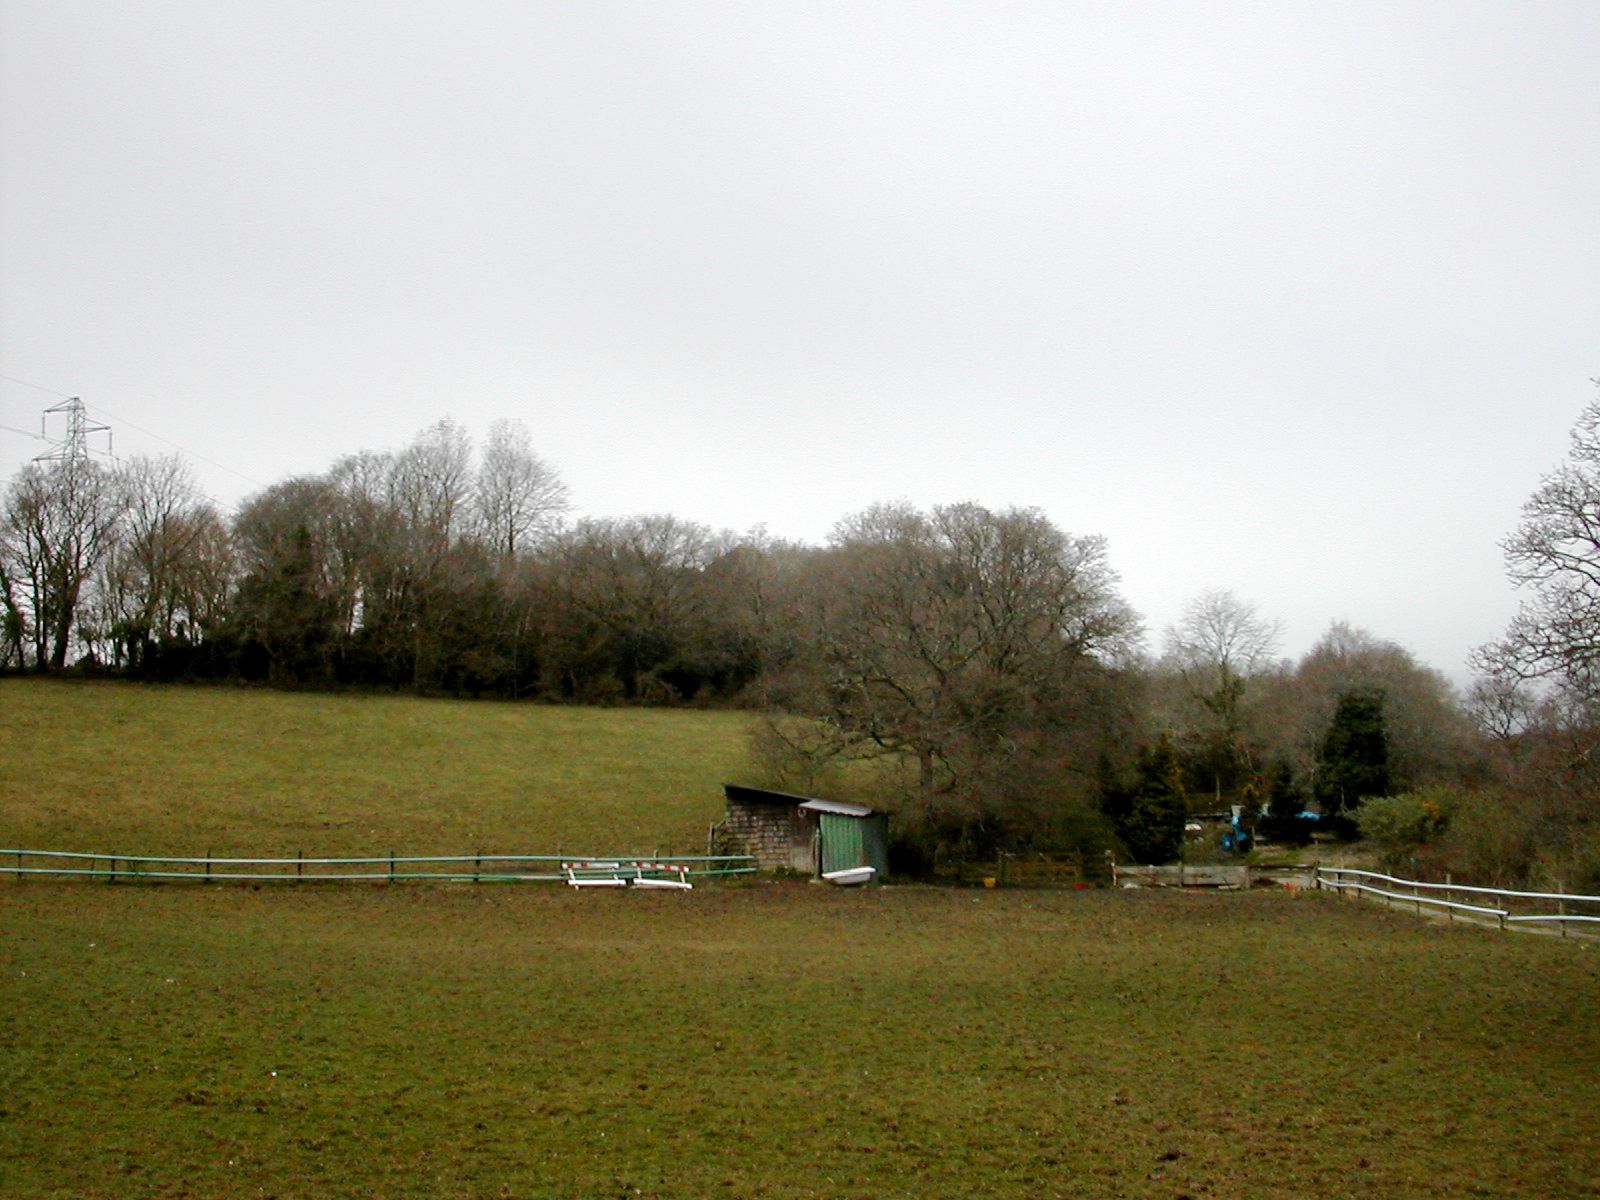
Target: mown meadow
761, 1039
130, 769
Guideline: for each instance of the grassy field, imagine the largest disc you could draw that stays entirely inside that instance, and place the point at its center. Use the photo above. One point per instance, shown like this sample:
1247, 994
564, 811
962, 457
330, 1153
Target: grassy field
170, 770
765, 1039
779, 1040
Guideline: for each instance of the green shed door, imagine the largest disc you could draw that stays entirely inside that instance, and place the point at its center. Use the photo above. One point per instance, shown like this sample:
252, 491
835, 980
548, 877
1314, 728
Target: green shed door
842, 843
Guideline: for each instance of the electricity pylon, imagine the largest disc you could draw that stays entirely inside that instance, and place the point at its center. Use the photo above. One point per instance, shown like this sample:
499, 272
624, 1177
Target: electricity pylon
74, 447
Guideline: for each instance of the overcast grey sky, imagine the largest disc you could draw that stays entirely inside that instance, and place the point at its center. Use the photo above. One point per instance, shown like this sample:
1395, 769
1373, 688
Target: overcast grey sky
1294, 299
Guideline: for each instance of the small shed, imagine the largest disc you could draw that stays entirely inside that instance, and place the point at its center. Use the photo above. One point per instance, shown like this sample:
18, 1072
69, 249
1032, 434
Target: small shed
784, 831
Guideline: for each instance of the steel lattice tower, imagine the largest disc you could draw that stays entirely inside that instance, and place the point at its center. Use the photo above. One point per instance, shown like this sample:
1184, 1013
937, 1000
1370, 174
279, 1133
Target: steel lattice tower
75, 446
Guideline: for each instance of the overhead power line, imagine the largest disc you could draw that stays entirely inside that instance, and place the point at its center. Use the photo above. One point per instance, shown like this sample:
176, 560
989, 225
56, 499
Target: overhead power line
38, 387
181, 449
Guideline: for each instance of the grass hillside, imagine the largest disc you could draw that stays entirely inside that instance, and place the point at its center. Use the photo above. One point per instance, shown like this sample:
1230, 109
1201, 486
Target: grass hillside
173, 770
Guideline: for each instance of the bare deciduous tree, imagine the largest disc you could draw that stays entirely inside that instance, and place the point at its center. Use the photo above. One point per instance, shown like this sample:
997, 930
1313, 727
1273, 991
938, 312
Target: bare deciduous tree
1541, 694
1219, 644
295, 593
432, 480
961, 637
518, 496
633, 600
1554, 557
1220, 638
166, 577
60, 522
13, 617
1430, 738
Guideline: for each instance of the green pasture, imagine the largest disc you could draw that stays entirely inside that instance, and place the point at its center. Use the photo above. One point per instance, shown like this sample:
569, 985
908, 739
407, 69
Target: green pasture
119, 768
753, 1039
781, 1040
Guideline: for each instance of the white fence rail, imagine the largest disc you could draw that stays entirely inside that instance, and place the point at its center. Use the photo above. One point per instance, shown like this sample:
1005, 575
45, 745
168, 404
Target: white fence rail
1506, 908
393, 868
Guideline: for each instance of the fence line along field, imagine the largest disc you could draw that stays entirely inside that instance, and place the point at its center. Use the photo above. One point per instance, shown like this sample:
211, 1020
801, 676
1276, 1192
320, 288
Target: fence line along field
776, 1039
118, 768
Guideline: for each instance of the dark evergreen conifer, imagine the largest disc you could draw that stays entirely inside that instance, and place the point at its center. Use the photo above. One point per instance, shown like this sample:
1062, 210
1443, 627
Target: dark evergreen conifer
1150, 818
1353, 762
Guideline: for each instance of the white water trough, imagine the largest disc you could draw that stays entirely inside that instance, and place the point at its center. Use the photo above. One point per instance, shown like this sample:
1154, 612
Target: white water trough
850, 876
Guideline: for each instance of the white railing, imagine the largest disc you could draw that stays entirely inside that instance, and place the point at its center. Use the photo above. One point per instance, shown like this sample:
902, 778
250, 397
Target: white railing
393, 868
1440, 896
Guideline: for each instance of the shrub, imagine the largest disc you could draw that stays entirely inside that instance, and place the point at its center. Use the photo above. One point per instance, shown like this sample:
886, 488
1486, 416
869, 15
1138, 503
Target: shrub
1149, 817
1398, 826
1491, 839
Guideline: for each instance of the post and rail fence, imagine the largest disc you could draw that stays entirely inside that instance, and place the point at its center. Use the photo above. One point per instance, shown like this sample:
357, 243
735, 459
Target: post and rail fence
390, 868
1501, 907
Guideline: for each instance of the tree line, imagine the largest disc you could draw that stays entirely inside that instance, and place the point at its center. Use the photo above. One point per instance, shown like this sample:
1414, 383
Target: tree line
976, 668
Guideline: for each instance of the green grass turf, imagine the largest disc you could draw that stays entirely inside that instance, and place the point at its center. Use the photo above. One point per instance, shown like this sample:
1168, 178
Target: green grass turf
781, 1040
762, 1040
106, 767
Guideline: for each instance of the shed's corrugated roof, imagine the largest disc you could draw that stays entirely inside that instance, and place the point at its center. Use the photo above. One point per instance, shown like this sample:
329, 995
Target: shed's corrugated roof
837, 806
737, 792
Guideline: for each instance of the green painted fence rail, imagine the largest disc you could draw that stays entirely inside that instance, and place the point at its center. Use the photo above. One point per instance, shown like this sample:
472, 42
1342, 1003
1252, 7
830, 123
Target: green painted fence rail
389, 868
